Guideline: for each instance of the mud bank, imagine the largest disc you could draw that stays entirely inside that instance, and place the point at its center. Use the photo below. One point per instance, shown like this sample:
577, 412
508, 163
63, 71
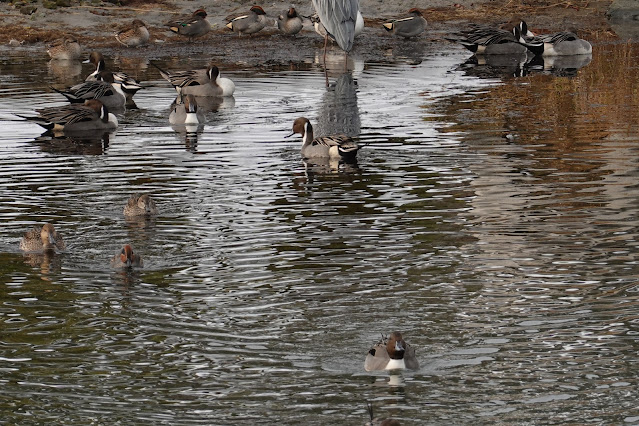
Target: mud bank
94, 26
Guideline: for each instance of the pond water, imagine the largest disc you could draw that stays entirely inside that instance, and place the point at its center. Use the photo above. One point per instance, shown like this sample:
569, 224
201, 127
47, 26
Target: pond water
492, 218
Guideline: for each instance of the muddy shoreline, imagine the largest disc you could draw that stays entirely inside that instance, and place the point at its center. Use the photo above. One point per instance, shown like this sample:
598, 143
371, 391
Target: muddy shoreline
95, 25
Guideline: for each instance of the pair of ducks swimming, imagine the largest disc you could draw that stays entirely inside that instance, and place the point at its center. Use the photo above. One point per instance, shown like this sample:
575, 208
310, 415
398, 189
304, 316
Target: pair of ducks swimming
517, 39
46, 239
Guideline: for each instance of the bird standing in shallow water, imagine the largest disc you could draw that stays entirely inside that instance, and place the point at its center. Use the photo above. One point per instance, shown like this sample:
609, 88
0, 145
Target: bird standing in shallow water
338, 18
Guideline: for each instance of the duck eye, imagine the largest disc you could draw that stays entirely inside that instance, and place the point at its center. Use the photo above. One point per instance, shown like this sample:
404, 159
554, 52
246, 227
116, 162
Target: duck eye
372, 351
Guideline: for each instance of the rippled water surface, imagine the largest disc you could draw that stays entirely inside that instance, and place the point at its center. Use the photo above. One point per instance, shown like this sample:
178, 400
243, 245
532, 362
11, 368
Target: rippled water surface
492, 218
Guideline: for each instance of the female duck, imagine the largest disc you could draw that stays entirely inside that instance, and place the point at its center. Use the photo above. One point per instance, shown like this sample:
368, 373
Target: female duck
140, 205
335, 147
135, 35
67, 49
42, 239
391, 353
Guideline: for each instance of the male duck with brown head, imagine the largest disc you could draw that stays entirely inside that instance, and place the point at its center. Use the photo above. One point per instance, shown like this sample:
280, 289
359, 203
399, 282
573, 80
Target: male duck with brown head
250, 23
289, 22
392, 353
407, 27
191, 26
42, 239
335, 146
125, 258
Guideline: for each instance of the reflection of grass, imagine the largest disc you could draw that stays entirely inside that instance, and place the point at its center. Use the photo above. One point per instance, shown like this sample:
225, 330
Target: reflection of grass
563, 124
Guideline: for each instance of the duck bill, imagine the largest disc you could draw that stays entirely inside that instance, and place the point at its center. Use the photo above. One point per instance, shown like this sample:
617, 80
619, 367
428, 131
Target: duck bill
288, 136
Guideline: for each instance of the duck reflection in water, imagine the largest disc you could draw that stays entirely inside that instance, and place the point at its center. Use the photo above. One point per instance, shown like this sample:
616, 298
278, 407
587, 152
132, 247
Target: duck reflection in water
90, 143
65, 73
495, 66
560, 66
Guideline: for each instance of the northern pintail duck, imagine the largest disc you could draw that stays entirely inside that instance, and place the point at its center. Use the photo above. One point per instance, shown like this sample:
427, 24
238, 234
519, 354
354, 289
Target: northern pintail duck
202, 82
321, 30
184, 111
105, 89
193, 25
40, 239
125, 258
485, 40
128, 84
250, 23
563, 43
335, 146
391, 353
407, 27
92, 115
290, 22
135, 35
67, 49
140, 205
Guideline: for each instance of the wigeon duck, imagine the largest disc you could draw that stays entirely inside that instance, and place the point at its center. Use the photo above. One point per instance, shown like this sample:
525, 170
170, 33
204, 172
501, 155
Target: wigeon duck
140, 205
67, 49
485, 40
90, 116
337, 146
125, 258
105, 89
128, 84
202, 82
134, 35
391, 353
250, 23
41, 239
407, 27
564, 43
289, 22
184, 111
194, 25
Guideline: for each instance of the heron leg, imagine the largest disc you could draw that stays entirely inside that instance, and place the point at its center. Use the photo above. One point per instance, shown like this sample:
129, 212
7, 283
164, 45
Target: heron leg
325, 69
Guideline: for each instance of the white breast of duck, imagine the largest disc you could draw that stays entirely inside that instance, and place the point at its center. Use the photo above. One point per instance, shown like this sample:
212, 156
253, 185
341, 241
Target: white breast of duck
396, 364
335, 146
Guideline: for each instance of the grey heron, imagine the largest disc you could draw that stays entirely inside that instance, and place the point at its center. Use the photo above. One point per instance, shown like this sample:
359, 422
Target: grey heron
338, 17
